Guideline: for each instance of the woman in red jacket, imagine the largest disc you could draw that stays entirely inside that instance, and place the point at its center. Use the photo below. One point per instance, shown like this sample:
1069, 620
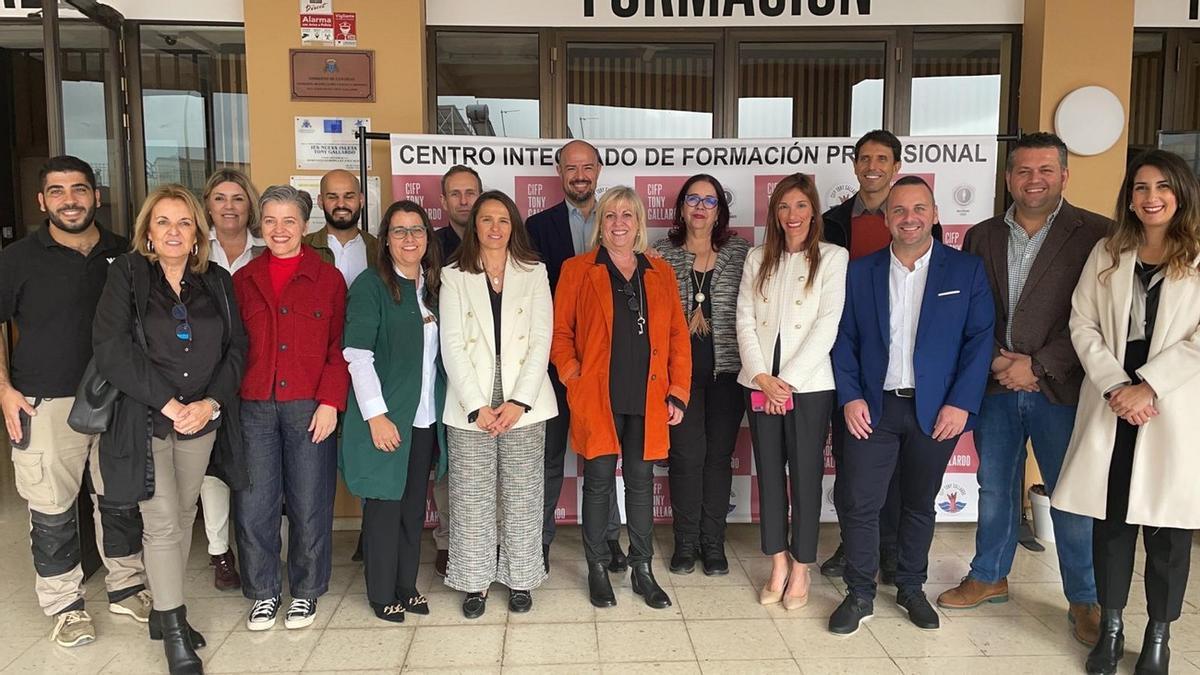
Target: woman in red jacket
293, 305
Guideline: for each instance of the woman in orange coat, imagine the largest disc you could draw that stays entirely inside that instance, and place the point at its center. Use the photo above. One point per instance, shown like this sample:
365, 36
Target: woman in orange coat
622, 349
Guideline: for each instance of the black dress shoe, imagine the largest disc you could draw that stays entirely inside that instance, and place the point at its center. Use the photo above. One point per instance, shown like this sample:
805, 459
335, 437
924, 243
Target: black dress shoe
1156, 655
520, 602
413, 601
920, 612
849, 615
683, 561
645, 585
836, 565
474, 605
1107, 654
546, 557
619, 562
599, 587
888, 562
156, 632
393, 612
715, 562
177, 645
441, 562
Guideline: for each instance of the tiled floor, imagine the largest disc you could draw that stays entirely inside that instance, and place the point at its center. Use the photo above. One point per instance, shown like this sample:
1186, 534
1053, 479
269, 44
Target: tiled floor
715, 625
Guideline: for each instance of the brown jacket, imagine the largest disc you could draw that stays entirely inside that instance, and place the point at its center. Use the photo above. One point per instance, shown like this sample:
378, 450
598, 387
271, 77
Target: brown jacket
1042, 314
319, 240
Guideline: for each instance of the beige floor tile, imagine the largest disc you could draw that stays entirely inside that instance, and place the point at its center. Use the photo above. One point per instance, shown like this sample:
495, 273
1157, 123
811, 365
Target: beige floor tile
810, 638
537, 644
557, 605
360, 649
748, 667
1017, 636
222, 615
737, 639
263, 651
947, 569
721, 602
147, 656
652, 668
349, 672
570, 574
24, 618
644, 641
631, 607
1032, 567
900, 638
847, 666
456, 646
998, 665
354, 611
554, 669
13, 647
43, 656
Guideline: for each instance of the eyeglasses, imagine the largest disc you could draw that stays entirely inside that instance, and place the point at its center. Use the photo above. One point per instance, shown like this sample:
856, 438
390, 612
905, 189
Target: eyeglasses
183, 331
693, 200
402, 233
631, 297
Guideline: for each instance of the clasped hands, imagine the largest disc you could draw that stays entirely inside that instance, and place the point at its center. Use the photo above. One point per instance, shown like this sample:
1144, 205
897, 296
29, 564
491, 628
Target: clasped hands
777, 392
1015, 371
1133, 403
496, 421
190, 418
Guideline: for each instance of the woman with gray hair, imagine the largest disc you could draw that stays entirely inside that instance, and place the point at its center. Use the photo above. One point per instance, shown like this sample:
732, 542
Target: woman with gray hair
293, 305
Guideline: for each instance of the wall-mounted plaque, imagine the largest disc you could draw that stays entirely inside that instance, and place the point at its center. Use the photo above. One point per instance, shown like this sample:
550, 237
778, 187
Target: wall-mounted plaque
333, 75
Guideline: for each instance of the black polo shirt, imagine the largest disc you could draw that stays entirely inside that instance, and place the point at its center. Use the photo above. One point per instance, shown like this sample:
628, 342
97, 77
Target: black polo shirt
50, 292
629, 364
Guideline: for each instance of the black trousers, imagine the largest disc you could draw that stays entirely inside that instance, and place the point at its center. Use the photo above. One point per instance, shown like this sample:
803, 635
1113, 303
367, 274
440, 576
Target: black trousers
600, 488
1114, 541
701, 450
391, 529
889, 515
557, 430
897, 446
789, 451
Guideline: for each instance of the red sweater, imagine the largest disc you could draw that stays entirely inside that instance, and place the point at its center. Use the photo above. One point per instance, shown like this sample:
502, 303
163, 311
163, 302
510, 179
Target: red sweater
296, 335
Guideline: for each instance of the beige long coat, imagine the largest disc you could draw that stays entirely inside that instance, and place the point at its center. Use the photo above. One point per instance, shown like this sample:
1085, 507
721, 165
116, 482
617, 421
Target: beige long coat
1163, 490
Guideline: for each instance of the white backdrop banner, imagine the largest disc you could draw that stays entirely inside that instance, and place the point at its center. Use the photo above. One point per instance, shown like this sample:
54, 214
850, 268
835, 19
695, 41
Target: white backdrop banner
961, 169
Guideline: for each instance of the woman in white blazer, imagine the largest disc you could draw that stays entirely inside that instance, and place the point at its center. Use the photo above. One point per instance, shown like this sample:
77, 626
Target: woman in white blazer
788, 310
1135, 323
496, 316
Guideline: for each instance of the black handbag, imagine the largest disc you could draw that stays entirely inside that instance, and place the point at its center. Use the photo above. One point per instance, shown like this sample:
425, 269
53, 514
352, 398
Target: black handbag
96, 397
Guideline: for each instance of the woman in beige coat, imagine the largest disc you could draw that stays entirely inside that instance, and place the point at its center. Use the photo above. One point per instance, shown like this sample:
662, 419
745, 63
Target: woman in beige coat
1135, 324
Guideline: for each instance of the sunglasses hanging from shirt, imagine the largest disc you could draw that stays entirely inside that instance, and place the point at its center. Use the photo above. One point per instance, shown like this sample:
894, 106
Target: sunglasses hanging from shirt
634, 301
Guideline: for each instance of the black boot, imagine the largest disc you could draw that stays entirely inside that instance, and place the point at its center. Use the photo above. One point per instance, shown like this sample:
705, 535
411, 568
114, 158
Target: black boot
645, 586
156, 631
684, 559
181, 656
1156, 655
599, 587
1107, 653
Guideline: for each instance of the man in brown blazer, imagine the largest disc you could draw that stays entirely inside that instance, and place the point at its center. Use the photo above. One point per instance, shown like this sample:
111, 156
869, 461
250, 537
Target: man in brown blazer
1033, 254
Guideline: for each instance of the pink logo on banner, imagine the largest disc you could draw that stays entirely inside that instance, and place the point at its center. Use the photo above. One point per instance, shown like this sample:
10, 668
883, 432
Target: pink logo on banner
662, 500
742, 452
965, 458
431, 514
763, 187
659, 193
954, 235
425, 190
535, 194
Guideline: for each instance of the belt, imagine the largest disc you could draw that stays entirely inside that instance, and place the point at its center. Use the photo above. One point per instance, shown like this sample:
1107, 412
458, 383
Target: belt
903, 393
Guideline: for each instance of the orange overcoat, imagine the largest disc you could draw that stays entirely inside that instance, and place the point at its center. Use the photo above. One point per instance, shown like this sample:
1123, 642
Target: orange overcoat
582, 347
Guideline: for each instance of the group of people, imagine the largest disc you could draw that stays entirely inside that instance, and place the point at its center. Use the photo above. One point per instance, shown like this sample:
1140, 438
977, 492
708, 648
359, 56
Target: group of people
476, 351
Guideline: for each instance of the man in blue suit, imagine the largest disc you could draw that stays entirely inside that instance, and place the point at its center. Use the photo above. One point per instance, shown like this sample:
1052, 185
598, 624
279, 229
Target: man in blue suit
911, 363
563, 231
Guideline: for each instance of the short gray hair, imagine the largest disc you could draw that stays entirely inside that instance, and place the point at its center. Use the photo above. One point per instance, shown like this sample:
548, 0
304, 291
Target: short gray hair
286, 194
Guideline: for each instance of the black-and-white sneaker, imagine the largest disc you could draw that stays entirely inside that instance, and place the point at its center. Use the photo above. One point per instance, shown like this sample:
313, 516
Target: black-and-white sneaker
301, 613
262, 614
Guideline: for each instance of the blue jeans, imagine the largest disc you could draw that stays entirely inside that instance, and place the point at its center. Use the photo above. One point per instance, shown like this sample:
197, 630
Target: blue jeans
1006, 423
284, 464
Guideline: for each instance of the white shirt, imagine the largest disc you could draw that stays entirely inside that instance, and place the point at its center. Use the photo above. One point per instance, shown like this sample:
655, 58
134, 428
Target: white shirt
368, 391
350, 259
217, 254
906, 289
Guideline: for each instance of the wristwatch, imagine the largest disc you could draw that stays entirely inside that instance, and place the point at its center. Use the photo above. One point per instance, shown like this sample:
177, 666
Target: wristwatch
215, 406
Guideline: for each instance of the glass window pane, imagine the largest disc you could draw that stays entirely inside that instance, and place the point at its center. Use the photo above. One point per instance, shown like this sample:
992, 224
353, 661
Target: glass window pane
85, 66
960, 83
488, 84
810, 89
640, 90
22, 126
194, 102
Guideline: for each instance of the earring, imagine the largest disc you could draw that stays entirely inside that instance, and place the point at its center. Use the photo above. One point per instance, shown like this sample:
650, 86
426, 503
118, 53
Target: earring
195, 249
150, 245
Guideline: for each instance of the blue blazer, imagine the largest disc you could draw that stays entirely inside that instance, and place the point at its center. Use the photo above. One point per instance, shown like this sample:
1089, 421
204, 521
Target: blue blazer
953, 350
550, 232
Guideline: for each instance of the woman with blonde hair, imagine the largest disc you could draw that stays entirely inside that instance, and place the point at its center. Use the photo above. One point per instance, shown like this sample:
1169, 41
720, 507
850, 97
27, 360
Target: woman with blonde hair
1132, 461
622, 349
168, 336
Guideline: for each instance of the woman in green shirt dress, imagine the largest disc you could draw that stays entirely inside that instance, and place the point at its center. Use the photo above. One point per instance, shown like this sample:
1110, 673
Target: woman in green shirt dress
392, 429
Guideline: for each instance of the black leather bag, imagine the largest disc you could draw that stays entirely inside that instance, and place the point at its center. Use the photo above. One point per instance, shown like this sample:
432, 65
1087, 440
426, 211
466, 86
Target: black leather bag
96, 397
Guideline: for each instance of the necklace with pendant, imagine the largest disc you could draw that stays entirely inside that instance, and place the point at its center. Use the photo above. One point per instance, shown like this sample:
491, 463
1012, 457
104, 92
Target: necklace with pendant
699, 279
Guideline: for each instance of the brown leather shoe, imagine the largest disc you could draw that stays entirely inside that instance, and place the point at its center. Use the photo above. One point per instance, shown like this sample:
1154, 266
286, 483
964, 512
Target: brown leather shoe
1085, 622
225, 575
972, 593
441, 562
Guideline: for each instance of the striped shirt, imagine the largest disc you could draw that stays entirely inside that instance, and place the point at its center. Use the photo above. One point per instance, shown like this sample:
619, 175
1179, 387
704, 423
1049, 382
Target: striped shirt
1022, 251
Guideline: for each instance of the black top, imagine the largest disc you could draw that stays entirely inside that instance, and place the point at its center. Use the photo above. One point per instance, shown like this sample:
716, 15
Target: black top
703, 358
186, 364
629, 364
50, 291
449, 241
1137, 352
495, 296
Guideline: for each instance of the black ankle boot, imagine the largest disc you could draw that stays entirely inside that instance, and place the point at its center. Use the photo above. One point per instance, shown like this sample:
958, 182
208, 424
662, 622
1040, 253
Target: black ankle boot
1156, 655
156, 631
599, 587
1107, 653
181, 656
645, 586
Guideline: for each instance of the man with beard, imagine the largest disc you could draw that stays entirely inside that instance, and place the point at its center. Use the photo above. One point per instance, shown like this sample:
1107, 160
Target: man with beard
559, 233
342, 243
50, 282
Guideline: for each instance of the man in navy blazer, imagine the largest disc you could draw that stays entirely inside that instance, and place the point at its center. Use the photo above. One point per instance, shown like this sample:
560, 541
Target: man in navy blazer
911, 363
561, 232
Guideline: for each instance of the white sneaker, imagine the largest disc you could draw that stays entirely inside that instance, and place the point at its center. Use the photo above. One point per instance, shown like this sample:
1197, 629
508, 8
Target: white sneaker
301, 613
262, 614
73, 628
